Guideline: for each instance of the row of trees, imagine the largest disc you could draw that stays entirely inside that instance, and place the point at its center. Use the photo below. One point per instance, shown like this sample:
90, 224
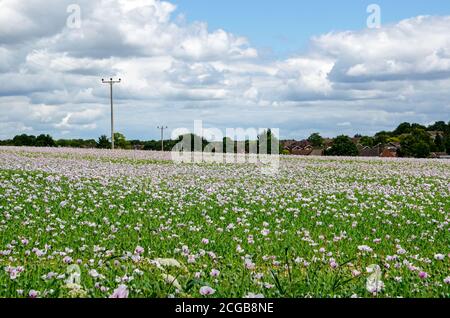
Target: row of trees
190, 141
415, 141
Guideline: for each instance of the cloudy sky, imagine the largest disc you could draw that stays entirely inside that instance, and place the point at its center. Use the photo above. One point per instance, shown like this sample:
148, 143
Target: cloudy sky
287, 64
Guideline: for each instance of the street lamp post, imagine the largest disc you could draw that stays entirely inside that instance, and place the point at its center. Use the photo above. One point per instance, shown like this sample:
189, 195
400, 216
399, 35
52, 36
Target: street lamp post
111, 82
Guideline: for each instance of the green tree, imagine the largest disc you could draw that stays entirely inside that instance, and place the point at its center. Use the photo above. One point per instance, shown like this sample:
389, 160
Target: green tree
24, 140
90, 143
447, 138
152, 145
316, 140
120, 141
421, 149
103, 142
447, 144
76, 143
382, 137
7, 142
343, 146
418, 126
367, 141
394, 139
62, 143
439, 145
45, 141
403, 128
416, 144
137, 144
438, 126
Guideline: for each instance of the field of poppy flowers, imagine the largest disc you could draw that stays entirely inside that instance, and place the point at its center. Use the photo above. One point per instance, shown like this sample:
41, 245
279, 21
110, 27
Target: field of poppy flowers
93, 223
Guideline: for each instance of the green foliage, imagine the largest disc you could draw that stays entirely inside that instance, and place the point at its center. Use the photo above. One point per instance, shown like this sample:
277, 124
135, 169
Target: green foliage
152, 145
342, 146
45, 141
340, 204
416, 144
120, 142
103, 142
407, 128
382, 137
24, 140
316, 140
438, 126
421, 150
418, 126
367, 141
7, 142
403, 128
76, 143
439, 145
447, 144
394, 139
406, 134
32, 141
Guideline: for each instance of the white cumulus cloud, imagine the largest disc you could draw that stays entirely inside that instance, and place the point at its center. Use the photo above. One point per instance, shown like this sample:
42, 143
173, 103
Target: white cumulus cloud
175, 72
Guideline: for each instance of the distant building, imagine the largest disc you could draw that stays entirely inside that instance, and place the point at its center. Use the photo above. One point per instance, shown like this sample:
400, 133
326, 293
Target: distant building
302, 151
295, 147
366, 151
386, 153
301, 148
317, 152
138, 147
305, 148
440, 155
391, 150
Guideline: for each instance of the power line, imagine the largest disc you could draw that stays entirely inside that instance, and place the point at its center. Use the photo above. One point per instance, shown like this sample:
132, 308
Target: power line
162, 136
111, 82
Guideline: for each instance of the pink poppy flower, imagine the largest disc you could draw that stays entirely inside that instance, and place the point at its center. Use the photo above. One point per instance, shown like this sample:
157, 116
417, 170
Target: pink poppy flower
120, 292
423, 275
206, 290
